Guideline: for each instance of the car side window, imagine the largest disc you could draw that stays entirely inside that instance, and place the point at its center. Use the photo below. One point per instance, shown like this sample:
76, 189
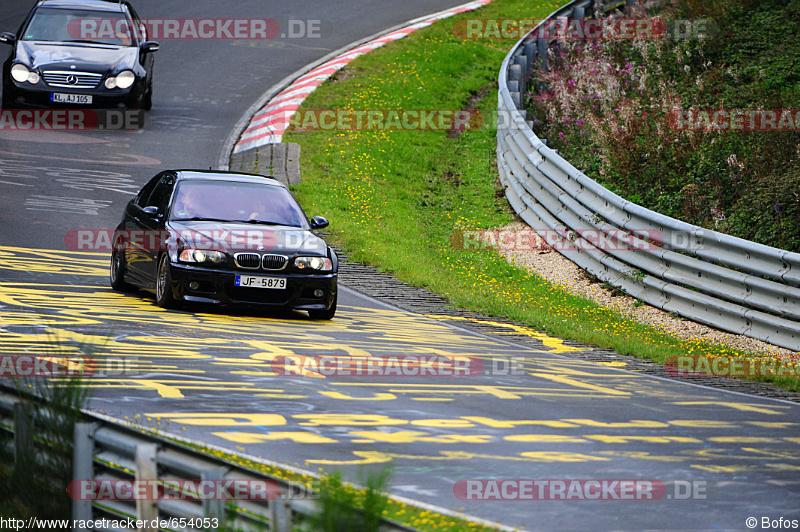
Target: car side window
161, 193
147, 191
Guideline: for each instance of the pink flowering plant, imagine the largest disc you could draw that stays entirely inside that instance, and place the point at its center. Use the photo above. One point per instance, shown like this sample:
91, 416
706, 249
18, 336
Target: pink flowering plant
606, 107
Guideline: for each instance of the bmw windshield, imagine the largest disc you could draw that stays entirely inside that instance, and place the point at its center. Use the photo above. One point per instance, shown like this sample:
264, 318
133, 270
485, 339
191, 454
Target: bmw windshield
236, 202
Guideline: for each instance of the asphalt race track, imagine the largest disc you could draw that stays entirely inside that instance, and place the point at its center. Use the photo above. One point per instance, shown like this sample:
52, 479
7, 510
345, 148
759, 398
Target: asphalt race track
522, 412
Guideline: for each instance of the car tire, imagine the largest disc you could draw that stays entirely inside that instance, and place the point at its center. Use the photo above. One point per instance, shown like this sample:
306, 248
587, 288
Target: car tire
7, 103
324, 314
147, 99
164, 296
117, 273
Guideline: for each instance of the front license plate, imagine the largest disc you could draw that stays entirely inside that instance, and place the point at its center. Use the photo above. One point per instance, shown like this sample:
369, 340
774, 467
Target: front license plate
252, 281
61, 97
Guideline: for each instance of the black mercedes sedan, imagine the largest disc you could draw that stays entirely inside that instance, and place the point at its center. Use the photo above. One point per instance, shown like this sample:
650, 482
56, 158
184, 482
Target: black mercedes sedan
194, 236
70, 53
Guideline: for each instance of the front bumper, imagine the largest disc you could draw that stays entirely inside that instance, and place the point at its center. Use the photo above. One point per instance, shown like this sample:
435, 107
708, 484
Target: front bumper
217, 287
38, 95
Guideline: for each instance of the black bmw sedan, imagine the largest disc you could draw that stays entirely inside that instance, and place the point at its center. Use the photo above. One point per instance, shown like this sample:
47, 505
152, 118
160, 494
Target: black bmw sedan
193, 236
71, 53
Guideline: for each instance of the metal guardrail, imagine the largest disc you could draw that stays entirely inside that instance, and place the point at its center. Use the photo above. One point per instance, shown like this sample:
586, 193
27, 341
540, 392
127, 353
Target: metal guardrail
720, 280
106, 451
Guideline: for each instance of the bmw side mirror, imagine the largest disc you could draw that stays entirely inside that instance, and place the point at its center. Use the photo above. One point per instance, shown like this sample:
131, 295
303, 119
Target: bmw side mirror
8, 38
318, 222
151, 211
150, 46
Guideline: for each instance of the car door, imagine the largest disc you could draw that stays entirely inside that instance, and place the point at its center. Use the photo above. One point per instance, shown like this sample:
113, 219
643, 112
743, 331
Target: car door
131, 224
147, 229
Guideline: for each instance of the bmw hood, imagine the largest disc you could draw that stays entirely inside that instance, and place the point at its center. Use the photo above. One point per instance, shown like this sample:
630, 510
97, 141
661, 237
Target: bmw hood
235, 236
83, 57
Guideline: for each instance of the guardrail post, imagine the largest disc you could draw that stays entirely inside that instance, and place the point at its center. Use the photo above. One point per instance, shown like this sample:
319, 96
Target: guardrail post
280, 518
146, 470
214, 508
82, 469
23, 446
522, 61
542, 53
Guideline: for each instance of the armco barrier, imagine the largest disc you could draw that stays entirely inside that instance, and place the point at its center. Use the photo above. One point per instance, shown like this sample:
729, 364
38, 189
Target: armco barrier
723, 281
110, 452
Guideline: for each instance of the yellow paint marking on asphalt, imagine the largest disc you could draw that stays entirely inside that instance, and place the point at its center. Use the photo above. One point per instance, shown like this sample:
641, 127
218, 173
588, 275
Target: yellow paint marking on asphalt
442, 423
281, 396
54, 261
773, 424
14, 317
407, 436
558, 456
221, 420
744, 407
297, 437
772, 453
556, 345
648, 439
743, 439
380, 396
703, 423
782, 467
500, 392
643, 455
506, 424
724, 469
378, 457
440, 399
632, 424
563, 379
316, 420
173, 389
543, 438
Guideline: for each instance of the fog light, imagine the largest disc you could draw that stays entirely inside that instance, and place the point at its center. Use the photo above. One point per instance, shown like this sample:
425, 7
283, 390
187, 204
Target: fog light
319, 292
194, 285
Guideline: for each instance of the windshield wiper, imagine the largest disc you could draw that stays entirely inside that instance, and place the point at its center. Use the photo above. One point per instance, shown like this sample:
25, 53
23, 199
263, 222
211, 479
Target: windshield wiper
199, 219
87, 41
265, 222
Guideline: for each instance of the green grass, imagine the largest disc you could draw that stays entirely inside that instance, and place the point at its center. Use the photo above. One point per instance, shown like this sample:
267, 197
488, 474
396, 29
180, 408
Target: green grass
395, 198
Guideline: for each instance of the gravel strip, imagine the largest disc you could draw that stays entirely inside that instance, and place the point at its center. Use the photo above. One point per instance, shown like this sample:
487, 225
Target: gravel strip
383, 286
561, 271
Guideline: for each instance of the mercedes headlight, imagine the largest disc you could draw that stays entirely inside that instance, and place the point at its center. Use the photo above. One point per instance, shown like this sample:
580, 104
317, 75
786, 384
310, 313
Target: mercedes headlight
123, 80
21, 74
313, 263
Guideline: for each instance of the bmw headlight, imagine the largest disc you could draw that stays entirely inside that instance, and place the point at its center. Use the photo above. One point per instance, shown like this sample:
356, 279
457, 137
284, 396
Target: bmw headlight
21, 74
123, 80
313, 263
202, 255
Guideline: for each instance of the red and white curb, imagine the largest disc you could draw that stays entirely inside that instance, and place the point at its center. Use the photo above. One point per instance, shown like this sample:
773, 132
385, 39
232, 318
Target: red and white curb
269, 124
